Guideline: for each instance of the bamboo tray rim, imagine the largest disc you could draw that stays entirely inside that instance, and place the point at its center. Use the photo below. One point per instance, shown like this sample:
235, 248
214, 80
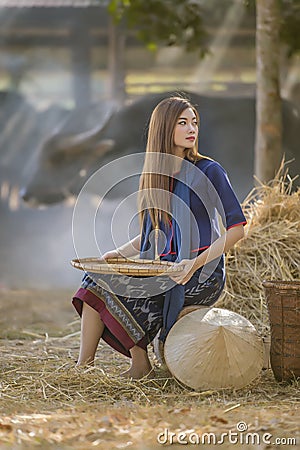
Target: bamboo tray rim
124, 266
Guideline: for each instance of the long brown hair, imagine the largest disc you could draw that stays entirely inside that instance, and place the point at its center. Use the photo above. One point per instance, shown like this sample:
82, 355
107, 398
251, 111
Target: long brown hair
154, 189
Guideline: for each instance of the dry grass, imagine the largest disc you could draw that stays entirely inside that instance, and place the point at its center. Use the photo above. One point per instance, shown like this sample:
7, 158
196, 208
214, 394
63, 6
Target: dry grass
269, 252
45, 402
43, 377
44, 399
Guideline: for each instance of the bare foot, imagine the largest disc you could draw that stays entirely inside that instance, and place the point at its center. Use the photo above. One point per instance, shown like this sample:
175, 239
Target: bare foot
88, 363
137, 373
140, 364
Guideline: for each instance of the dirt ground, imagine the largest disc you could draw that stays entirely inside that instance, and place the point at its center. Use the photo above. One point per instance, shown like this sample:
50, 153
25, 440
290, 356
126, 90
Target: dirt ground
46, 403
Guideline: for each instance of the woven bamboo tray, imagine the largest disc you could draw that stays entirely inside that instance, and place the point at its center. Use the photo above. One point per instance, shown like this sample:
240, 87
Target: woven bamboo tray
123, 266
283, 301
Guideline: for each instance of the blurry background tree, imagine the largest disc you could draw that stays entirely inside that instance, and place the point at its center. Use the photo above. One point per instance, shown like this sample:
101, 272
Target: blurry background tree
182, 23
278, 21
268, 101
168, 22
156, 22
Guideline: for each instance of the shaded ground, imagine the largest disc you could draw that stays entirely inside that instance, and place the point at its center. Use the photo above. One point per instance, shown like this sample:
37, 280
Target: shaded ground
46, 403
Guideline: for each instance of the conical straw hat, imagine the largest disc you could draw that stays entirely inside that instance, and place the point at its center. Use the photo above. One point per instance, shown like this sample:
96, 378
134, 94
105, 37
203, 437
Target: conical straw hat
214, 348
158, 346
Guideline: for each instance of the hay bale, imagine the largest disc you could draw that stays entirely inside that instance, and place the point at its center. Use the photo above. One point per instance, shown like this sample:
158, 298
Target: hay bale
270, 250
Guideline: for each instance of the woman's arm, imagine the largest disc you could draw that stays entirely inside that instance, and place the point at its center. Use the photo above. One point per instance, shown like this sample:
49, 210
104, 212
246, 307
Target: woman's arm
216, 249
220, 246
131, 248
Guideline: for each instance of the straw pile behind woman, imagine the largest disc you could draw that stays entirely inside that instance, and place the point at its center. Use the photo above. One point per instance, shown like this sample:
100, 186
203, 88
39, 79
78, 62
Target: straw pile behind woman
270, 250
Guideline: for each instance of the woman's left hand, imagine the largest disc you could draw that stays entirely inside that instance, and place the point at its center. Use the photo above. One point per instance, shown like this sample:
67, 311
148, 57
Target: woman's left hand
188, 267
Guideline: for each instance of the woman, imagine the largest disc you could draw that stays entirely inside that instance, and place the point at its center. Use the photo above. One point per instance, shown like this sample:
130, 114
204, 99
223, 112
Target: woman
181, 194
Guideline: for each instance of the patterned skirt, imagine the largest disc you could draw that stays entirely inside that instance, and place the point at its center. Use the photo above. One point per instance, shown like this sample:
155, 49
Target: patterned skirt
133, 319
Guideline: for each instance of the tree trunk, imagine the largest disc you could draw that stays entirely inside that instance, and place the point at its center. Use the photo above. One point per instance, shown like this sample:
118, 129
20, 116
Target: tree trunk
116, 62
268, 102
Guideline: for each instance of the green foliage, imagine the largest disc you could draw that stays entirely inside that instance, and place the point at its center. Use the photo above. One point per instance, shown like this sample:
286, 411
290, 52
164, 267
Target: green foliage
290, 27
168, 22
182, 22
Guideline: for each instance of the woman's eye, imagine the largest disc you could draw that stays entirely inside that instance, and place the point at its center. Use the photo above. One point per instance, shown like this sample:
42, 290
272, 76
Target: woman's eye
184, 122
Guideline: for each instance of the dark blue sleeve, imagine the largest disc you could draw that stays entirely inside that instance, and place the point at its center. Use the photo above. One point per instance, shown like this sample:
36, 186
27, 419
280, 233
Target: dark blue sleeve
223, 197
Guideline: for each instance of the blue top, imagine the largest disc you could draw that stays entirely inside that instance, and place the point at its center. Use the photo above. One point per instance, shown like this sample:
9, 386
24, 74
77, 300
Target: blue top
211, 194
201, 192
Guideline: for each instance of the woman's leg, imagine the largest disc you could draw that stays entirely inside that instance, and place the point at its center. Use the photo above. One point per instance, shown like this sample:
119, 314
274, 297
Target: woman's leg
92, 328
140, 364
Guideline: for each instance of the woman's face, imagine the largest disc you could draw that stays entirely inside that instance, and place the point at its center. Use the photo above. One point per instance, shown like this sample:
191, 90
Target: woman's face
186, 131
